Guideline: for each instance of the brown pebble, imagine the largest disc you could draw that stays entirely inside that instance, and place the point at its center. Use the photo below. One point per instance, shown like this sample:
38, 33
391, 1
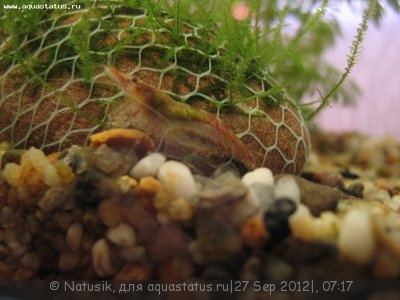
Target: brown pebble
7, 217
133, 272
23, 274
74, 236
325, 179
317, 197
386, 265
30, 261
110, 212
4, 250
13, 199
68, 261
6, 271
54, 198
123, 137
64, 219
166, 270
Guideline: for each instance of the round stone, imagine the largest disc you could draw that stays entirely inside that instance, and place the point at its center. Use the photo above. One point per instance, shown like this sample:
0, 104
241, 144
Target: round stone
148, 166
178, 179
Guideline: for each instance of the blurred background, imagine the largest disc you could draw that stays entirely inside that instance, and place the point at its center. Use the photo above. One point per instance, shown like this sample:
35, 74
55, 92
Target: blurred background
377, 111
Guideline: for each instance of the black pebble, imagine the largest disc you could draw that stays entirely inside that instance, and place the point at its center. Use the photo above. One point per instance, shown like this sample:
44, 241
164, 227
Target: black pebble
276, 219
347, 174
355, 189
87, 188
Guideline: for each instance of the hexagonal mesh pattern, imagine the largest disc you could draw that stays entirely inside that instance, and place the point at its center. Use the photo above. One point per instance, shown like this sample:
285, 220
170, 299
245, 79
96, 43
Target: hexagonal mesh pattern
53, 91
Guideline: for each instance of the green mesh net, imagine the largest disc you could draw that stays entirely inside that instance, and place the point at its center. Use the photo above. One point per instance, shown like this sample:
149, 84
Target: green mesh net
54, 93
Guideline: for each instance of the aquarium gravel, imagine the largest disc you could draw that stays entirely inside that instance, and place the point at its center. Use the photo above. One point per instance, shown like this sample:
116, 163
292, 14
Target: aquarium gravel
117, 209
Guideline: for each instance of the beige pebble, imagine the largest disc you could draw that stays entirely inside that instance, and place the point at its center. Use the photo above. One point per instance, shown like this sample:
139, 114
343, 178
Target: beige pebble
126, 183
303, 225
39, 162
328, 225
12, 173
356, 240
122, 235
393, 203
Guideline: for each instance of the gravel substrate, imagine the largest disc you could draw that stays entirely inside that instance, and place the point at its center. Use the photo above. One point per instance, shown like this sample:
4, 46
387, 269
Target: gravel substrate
119, 210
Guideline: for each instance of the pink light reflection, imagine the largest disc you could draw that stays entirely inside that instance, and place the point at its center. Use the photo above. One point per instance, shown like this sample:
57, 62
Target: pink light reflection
240, 11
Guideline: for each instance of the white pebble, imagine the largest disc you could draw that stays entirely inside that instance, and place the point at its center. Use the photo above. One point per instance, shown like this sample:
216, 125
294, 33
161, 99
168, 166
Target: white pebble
178, 179
122, 235
259, 175
148, 166
356, 239
287, 186
260, 183
381, 196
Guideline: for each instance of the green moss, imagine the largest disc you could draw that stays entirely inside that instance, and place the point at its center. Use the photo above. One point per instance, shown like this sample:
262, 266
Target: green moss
260, 45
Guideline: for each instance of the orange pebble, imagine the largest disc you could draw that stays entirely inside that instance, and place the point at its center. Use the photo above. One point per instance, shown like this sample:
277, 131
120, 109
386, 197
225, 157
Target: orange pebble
253, 231
149, 186
123, 137
53, 157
